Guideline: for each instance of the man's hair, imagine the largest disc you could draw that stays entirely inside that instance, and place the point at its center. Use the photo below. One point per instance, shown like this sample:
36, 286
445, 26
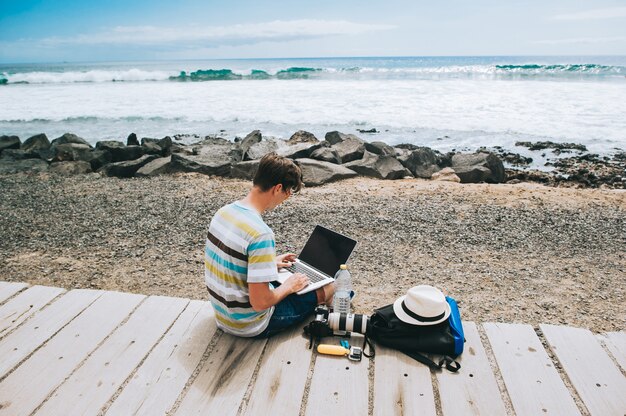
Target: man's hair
274, 169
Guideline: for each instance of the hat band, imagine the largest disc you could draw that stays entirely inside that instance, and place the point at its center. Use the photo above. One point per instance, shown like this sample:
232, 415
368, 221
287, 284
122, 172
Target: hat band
420, 317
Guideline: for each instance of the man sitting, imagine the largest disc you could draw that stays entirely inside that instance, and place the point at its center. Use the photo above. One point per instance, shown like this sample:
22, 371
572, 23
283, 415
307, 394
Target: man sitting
241, 261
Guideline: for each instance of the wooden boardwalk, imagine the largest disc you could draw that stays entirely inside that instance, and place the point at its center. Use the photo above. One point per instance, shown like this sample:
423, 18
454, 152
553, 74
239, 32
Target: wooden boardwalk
87, 352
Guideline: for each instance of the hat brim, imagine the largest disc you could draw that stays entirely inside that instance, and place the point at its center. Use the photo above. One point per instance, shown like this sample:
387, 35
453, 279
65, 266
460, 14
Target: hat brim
404, 317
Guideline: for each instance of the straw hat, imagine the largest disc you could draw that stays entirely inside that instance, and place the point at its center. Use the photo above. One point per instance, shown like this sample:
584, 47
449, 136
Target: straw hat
422, 305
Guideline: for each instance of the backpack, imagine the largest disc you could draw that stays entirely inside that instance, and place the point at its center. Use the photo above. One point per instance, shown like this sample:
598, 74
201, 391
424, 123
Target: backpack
445, 339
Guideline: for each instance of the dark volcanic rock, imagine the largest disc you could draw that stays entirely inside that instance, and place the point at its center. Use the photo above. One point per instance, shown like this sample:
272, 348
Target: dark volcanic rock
260, 149
126, 169
69, 138
70, 168
478, 167
326, 154
422, 162
99, 158
380, 148
67, 152
368, 131
156, 167
552, 145
15, 154
36, 144
302, 136
348, 146
132, 140
298, 150
251, 139
9, 142
119, 152
376, 166
244, 170
212, 157
316, 172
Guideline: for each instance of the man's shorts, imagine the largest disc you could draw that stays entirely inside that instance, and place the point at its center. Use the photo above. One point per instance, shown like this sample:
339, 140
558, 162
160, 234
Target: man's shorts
290, 311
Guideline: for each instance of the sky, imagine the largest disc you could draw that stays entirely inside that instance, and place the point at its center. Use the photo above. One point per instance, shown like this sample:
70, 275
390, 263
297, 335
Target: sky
79, 30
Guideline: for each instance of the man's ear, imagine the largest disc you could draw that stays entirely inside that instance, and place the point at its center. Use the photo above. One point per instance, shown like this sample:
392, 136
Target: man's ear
278, 188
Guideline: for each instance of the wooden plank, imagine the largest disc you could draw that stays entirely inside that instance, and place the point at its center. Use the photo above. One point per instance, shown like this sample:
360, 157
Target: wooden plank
280, 382
95, 382
616, 343
402, 386
24, 340
22, 391
224, 378
24, 305
8, 289
600, 384
533, 383
158, 382
339, 386
474, 389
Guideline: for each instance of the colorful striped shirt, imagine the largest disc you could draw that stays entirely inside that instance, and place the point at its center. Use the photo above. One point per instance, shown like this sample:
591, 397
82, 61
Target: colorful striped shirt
240, 249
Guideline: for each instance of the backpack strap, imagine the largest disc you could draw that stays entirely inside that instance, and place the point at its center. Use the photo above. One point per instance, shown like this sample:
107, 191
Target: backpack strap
368, 342
451, 365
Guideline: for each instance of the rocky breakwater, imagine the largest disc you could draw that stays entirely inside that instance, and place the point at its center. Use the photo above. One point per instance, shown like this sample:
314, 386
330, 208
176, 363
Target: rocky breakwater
337, 157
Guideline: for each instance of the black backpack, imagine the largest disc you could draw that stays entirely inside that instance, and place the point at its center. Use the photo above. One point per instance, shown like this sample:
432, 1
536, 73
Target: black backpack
445, 339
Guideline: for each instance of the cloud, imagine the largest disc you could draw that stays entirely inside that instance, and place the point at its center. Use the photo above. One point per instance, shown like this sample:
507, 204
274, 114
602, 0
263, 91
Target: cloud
278, 31
608, 13
581, 40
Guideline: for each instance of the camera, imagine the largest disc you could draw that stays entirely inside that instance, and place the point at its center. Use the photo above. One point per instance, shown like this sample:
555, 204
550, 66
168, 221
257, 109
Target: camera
327, 324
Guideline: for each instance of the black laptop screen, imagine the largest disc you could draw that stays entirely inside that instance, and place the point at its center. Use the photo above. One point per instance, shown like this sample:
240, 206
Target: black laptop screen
326, 250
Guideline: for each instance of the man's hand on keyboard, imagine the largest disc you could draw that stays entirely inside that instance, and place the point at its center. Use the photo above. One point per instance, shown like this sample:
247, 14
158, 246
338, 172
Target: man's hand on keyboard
296, 282
285, 260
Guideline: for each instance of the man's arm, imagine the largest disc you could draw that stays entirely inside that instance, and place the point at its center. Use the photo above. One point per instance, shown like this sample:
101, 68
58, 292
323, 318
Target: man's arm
262, 297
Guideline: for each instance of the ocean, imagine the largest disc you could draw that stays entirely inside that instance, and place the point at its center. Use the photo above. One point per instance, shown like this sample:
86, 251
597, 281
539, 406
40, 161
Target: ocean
446, 103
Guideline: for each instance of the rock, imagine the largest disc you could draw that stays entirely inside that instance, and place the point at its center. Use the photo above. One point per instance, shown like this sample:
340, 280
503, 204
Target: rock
422, 162
166, 144
298, 150
326, 154
151, 148
348, 146
244, 170
211, 158
8, 165
380, 148
67, 152
552, 145
302, 136
446, 174
132, 140
9, 142
126, 169
316, 172
69, 138
377, 166
251, 139
260, 149
156, 167
36, 144
119, 152
181, 148
368, 131
100, 158
15, 154
71, 168
471, 167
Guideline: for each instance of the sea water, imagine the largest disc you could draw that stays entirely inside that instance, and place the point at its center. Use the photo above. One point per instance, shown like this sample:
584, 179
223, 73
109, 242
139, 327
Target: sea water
447, 103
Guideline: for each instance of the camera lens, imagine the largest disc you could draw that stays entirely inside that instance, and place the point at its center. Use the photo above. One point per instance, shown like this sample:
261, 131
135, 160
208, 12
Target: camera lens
348, 322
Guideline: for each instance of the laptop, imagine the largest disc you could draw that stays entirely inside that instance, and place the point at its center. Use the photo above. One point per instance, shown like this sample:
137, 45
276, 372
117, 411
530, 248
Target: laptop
320, 258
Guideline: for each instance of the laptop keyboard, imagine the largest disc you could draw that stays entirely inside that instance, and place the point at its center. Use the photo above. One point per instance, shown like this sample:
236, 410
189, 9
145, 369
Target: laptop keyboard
313, 277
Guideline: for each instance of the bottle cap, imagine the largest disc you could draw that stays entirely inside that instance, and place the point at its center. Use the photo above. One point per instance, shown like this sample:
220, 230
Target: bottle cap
343, 267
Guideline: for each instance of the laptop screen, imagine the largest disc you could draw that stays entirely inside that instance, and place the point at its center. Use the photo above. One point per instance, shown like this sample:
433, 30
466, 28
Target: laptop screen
326, 250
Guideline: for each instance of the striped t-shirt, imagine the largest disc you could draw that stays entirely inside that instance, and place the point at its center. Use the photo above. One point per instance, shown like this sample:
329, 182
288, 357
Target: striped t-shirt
240, 249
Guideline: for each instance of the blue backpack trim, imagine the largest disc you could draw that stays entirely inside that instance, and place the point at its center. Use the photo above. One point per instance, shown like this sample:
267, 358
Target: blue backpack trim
456, 326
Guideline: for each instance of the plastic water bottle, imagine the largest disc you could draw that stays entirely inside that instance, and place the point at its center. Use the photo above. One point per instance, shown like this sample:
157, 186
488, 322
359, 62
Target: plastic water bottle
343, 287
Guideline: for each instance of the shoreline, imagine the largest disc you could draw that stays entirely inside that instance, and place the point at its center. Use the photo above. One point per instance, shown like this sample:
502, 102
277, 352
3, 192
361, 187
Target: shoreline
508, 252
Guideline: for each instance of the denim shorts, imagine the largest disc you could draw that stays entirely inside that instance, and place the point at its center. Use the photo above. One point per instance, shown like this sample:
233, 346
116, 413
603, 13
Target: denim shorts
290, 311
